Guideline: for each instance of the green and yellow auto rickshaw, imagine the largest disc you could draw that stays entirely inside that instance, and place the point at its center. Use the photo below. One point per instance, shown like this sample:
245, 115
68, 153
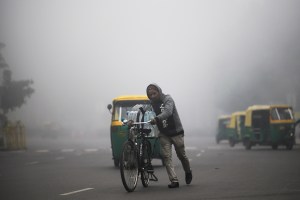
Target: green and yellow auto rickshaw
119, 108
223, 122
297, 117
236, 127
269, 125
297, 125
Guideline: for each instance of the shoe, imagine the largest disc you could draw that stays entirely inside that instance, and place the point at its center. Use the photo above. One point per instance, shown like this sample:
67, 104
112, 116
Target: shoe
188, 177
173, 185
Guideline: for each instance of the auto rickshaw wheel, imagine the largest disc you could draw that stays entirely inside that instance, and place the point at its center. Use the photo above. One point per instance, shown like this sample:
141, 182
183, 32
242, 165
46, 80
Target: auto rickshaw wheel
116, 162
163, 162
289, 145
231, 142
274, 146
247, 144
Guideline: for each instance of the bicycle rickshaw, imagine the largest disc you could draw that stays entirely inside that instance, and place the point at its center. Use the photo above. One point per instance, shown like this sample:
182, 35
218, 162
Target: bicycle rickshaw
119, 108
272, 125
236, 127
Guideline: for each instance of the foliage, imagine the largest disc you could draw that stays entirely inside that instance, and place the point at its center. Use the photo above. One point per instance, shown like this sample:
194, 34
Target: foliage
14, 94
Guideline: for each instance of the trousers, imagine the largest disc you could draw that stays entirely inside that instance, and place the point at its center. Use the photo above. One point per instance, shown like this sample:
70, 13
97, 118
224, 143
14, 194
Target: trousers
166, 143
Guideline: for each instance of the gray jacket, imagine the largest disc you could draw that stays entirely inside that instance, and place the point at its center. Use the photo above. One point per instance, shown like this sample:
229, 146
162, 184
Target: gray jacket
168, 121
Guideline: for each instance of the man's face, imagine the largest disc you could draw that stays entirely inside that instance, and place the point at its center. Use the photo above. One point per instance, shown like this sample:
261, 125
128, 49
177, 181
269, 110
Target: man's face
153, 94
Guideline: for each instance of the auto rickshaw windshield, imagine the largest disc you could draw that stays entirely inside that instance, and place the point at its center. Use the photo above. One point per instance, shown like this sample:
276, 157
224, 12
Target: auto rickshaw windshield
121, 108
281, 114
223, 123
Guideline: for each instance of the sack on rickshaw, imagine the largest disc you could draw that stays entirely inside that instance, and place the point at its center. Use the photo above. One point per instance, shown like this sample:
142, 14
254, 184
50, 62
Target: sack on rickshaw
143, 113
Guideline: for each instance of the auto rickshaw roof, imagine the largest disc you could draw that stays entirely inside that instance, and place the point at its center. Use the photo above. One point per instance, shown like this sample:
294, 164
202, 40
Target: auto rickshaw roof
224, 116
130, 97
267, 107
237, 113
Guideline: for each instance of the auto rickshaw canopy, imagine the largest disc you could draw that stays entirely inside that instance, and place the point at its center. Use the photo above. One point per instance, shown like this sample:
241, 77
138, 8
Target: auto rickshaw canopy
233, 120
251, 109
130, 97
120, 102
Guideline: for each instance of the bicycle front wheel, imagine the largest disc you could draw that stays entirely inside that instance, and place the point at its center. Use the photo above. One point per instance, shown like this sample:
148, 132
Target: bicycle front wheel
146, 163
129, 166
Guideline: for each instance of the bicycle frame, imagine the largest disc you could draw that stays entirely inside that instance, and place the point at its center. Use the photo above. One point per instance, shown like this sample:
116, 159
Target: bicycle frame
138, 137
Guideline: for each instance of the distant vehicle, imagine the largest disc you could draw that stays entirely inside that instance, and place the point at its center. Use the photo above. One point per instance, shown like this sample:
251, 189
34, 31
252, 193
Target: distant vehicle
120, 108
236, 127
223, 122
272, 125
297, 124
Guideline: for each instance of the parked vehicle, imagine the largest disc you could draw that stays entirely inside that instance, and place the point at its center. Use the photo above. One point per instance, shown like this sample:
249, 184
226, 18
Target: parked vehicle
236, 127
120, 107
297, 124
223, 122
272, 125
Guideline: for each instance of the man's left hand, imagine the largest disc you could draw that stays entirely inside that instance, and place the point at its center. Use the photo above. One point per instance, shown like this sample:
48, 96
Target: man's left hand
153, 121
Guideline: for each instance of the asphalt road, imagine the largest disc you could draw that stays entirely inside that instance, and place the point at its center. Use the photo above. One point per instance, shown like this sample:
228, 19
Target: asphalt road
80, 169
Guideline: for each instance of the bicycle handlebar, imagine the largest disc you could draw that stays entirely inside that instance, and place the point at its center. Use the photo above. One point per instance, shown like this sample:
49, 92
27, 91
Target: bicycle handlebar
125, 122
137, 123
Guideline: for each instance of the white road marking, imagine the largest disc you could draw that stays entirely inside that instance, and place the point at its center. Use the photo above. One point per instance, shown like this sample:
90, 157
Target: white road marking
32, 163
198, 155
42, 151
67, 150
77, 191
90, 150
191, 148
59, 158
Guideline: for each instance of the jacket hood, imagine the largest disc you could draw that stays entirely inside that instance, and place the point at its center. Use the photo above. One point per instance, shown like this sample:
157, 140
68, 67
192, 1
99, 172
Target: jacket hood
161, 94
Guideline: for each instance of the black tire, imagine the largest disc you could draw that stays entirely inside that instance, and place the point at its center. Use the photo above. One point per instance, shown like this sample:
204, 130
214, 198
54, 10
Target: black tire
274, 146
231, 142
129, 166
290, 145
116, 162
145, 163
247, 144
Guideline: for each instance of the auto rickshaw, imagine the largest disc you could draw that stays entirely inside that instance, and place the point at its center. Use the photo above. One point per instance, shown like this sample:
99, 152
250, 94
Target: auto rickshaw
297, 124
223, 122
120, 107
236, 127
269, 125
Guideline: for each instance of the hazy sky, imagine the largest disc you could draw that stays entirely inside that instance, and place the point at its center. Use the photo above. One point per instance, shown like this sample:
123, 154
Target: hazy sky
83, 53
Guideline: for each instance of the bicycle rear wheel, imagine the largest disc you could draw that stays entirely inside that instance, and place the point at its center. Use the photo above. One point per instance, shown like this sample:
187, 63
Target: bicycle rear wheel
129, 166
146, 163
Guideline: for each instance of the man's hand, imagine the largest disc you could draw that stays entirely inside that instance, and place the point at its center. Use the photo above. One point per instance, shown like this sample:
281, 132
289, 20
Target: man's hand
153, 121
130, 123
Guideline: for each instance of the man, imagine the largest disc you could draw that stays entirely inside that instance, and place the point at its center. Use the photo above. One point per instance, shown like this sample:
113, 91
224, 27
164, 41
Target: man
171, 132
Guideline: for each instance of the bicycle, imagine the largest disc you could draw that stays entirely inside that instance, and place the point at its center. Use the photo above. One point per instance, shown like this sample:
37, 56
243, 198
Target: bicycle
136, 156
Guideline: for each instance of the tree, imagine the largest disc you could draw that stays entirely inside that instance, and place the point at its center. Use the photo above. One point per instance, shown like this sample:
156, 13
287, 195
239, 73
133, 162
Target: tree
13, 94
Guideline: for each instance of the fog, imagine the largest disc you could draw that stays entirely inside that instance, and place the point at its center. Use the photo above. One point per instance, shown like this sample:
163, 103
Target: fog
209, 55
